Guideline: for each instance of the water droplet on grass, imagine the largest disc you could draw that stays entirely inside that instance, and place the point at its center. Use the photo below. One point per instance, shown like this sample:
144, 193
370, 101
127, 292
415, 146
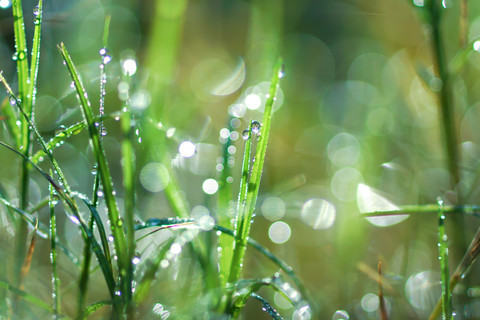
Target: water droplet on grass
136, 260
12, 100
256, 126
281, 72
105, 55
129, 67
60, 129
340, 315
246, 134
36, 11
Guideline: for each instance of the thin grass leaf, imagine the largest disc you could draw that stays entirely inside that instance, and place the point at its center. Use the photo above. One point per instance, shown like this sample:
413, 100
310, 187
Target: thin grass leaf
29, 218
429, 209
103, 169
443, 257
244, 217
100, 227
88, 311
21, 56
26, 296
32, 89
267, 307
53, 254
58, 140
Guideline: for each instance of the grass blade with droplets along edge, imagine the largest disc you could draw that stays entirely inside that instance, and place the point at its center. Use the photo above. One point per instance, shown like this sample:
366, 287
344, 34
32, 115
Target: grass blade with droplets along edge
103, 169
244, 221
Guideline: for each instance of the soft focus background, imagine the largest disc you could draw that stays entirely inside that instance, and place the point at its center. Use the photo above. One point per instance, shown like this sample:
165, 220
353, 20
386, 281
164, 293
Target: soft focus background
356, 128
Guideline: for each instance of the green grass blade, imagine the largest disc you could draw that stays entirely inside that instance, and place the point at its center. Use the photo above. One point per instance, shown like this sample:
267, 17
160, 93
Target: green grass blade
244, 217
32, 89
267, 307
53, 255
26, 296
429, 209
88, 311
21, 54
58, 140
31, 220
443, 257
103, 169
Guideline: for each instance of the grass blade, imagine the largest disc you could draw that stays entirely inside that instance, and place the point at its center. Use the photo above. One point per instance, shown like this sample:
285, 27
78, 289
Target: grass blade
94, 307
267, 307
26, 296
32, 89
103, 169
443, 256
244, 216
53, 242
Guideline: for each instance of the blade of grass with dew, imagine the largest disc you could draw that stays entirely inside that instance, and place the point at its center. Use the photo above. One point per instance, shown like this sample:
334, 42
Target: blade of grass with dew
62, 135
32, 89
224, 216
443, 257
30, 219
26, 296
144, 285
103, 169
429, 209
53, 254
128, 170
267, 307
21, 57
85, 273
11, 122
244, 220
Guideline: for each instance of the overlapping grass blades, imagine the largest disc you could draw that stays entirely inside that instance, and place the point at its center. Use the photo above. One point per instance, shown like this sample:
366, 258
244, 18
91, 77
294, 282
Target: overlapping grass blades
444, 271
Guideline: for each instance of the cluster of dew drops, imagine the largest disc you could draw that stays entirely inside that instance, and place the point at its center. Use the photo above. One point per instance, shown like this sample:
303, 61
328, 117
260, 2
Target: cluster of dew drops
255, 129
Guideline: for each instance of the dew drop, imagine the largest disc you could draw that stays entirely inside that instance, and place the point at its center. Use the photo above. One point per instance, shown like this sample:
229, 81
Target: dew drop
110, 238
136, 260
104, 132
12, 100
99, 193
106, 56
36, 11
119, 222
256, 127
61, 129
94, 170
246, 134
281, 72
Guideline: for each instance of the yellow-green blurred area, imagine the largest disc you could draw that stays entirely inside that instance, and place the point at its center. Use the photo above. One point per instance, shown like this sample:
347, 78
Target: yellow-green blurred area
357, 128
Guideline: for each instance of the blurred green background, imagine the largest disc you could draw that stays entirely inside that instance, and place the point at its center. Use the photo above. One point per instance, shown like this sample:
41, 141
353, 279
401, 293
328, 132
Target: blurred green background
358, 106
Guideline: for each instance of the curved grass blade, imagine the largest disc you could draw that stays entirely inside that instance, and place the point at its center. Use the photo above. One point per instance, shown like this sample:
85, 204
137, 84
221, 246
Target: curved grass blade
103, 169
100, 227
94, 307
284, 266
164, 222
27, 261
31, 220
58, 140
267, 307
244, 217
26, 296
53, 256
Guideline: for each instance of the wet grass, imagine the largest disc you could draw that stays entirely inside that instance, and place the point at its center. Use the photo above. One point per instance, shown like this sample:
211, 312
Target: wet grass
132, 265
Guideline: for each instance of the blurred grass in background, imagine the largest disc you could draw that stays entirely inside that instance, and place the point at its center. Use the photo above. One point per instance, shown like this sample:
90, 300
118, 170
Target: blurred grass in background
358, 106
